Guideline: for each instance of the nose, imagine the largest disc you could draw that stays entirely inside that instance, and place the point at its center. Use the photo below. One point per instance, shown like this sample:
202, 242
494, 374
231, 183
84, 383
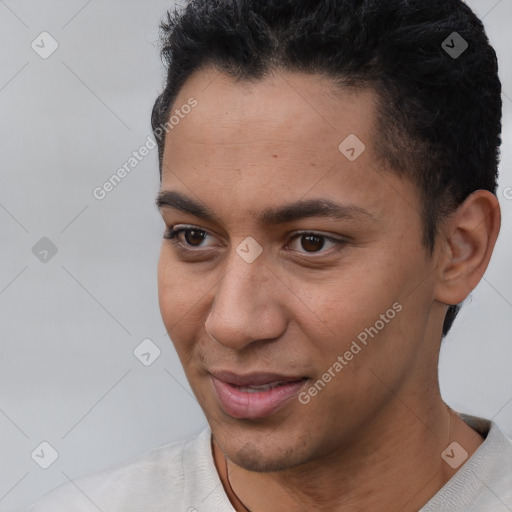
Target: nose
246, 308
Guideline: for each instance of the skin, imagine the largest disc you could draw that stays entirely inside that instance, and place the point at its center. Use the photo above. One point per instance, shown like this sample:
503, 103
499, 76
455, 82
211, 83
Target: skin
381, 421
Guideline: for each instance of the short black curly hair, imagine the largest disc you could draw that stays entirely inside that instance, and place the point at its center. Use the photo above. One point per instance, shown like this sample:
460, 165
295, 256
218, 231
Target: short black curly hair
439, 114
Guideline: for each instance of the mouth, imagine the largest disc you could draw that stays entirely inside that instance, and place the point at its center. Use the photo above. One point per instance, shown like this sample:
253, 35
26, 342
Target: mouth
255, 395
259, 389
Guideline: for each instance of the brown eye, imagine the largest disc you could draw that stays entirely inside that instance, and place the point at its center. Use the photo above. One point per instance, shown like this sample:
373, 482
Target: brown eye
187, 237
194, 236
315, 243
312, 243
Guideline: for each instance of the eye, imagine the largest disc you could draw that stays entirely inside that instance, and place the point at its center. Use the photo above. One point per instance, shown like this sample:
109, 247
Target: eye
186, 237
314, 242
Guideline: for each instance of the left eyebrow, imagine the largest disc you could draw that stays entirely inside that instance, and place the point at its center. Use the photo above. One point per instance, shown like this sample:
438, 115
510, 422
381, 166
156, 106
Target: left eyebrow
312, 208
270, 216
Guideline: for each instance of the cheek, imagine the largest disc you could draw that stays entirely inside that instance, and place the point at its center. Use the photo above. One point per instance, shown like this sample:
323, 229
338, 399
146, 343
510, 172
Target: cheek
366, 301
348, 302
166, 285
177, 292
184, 301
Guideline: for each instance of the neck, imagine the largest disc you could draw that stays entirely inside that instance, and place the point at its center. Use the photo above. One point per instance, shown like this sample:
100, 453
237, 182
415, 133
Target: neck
366, 474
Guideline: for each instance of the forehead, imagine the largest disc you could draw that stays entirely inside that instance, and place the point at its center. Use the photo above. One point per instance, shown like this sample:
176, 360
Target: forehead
280, 119
269, 141
283, 107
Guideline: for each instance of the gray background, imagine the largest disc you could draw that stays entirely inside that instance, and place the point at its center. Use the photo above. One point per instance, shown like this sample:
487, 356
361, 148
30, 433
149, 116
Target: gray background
69, 325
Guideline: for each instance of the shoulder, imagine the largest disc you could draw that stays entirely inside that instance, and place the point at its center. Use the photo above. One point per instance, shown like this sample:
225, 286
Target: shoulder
484, 482
148, 482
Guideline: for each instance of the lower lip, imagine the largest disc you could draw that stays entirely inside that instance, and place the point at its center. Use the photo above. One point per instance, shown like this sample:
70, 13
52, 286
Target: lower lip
261, 404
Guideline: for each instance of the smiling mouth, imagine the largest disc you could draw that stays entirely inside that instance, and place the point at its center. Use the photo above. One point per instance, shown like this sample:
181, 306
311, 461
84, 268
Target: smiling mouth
256, 395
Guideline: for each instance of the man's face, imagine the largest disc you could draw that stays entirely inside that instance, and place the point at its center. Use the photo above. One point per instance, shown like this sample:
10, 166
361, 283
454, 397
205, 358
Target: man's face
354, 289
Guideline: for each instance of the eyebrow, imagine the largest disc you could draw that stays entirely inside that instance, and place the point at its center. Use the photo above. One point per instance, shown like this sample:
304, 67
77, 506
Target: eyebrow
302, 209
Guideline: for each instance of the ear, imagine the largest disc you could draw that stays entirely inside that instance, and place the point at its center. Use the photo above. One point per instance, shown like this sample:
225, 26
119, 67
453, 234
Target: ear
466, 241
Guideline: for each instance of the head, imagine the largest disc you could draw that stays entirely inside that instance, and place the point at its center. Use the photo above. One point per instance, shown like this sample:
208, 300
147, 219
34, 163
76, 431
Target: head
279, 89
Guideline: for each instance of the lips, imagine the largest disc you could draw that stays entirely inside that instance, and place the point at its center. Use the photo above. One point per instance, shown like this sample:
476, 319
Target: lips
255, 395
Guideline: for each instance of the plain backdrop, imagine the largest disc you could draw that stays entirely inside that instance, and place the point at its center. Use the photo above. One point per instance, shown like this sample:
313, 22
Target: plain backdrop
71, 319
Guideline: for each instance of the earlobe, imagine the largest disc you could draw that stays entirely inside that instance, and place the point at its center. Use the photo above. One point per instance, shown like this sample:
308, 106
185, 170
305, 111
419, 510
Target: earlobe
468, 237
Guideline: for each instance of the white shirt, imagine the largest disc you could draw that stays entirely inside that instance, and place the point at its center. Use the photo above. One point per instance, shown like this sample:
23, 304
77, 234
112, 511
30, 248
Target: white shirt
181, 477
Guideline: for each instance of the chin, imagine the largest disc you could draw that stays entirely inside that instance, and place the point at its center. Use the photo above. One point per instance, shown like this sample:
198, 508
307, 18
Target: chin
251, 458
261, 452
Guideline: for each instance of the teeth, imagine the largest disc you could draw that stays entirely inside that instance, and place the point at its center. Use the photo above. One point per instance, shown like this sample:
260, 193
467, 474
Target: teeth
258, 389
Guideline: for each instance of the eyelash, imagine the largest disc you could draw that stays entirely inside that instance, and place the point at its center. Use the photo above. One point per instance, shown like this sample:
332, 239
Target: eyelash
172, 235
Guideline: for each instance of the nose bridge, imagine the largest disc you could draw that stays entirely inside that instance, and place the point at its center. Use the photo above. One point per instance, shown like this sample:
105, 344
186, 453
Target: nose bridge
241, 311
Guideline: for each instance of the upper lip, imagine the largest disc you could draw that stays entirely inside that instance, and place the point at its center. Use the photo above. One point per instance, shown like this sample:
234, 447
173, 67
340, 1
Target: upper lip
253, 378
